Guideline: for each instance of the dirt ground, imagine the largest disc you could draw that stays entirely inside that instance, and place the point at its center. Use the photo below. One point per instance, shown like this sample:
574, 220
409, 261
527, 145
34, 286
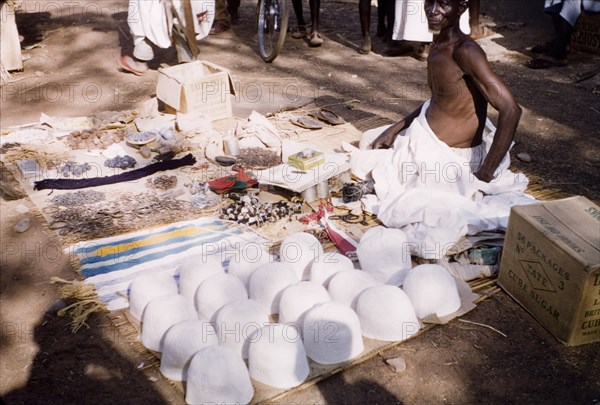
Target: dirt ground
72, 70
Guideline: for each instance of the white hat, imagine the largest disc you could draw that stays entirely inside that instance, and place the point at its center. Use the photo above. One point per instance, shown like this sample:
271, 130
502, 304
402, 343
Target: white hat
384, 252
432, 291
322, 270
300, 250
237, 321
216, 291
247, 259
161, 313
346, 286
277, 357
299, 298
386, 313
268, 282
145, 288
181, 342
332, 333
195, 270
217, 375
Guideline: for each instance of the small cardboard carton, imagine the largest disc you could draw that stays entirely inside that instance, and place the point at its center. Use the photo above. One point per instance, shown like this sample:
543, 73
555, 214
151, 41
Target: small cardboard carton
586, 35
200, 87
551, 266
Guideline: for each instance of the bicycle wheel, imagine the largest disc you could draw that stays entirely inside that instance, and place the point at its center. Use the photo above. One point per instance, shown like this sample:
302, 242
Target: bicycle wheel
272, 26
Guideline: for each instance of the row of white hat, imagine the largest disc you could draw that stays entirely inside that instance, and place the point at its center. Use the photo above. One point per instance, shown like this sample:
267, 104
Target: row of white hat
276, 286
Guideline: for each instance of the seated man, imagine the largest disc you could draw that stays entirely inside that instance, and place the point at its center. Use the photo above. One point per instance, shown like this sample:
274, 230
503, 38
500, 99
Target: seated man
442, 171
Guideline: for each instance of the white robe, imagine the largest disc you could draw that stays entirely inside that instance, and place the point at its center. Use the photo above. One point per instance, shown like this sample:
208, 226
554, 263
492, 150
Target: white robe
153, 19
428, 190
410, 23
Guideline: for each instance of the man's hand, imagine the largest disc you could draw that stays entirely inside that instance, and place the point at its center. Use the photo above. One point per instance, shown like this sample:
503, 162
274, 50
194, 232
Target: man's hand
484, 176
386, 139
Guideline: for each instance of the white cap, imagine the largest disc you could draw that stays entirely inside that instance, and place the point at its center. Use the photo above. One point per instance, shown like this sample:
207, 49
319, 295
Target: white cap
237, 321
195, 270
385, 254
277, 357
268, 282
300, 250
432, 291
322, 270
181, 342
216, 291
217, 375
332, 333
346, 286
161, 313
386, 313
145, 288
299, 298
247, 259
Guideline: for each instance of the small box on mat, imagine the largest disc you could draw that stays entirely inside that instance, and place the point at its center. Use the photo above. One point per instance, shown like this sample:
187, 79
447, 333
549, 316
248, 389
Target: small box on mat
306, 160
551, 266
200, 87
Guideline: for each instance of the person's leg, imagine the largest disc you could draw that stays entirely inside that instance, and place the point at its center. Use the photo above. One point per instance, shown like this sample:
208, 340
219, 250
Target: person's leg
476, 29
184, 53
222, 20
364, 11
232, 8
390, 10
315, 38
381, 14
564, 30
301, 29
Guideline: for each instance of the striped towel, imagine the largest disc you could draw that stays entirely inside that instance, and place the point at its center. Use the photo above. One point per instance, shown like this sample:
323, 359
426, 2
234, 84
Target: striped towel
110, 264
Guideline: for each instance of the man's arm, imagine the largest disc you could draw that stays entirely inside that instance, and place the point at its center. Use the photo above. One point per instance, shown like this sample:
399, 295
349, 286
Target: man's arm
472, 60
387, 137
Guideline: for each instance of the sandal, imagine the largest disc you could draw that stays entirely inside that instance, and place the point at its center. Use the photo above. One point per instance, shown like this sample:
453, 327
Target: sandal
299, 32
306, 122
545, 62
328, 117
315, 39
128, 64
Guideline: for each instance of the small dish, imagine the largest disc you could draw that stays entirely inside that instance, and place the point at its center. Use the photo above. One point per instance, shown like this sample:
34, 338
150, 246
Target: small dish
141, 138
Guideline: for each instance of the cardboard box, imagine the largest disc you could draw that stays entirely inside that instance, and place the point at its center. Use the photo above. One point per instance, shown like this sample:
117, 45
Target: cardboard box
200, 87
306, 160
551, 266
586, 34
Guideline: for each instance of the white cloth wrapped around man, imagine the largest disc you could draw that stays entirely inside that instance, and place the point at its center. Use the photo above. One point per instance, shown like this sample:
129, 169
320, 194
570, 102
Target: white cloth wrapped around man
427, 188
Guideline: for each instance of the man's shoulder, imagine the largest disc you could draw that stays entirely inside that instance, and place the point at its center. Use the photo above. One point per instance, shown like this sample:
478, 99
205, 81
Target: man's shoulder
467, 50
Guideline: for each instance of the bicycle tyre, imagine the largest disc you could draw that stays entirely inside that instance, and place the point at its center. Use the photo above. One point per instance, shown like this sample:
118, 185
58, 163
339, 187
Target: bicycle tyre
272, 24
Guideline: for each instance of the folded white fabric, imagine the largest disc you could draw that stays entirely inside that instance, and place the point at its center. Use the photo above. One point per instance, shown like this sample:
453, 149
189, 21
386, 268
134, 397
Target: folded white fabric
268, 282
386, 313
217, 375
216, 291
432, 291
277, 358
181, 342
160, 314
145, 288
332, 333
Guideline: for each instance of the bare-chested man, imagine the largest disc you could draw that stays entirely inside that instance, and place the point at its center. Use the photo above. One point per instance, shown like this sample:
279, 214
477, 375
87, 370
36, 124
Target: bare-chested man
462, 84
